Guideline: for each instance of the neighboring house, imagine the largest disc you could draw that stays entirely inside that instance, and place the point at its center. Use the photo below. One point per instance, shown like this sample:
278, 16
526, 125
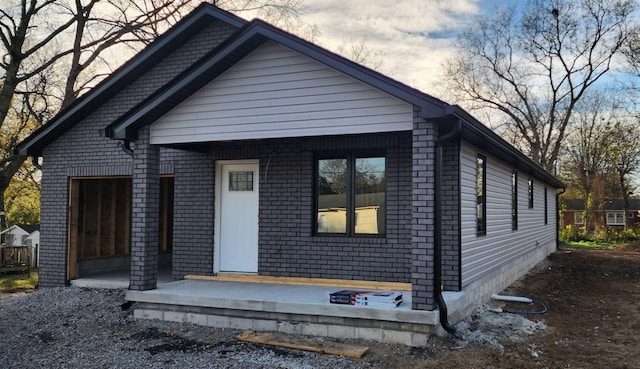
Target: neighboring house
611, 213
233, 146
24, 235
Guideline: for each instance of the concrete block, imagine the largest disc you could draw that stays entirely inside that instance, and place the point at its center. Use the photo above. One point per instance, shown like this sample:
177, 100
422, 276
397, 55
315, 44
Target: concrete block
199, 319
419, 340
240, 323
174, 316
311, 329
148, 314
264, 325
341, 331
289, 327
218, 321
400, 337
374, 334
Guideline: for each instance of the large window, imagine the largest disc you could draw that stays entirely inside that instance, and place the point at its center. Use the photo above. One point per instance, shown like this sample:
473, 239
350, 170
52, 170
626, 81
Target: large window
514, 200
350, 195
481, 193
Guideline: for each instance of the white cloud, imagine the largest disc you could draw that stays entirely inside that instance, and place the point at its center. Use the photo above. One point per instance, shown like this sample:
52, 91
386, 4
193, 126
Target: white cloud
414, 35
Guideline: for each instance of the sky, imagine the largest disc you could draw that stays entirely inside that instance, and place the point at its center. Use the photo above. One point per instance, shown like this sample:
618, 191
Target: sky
414, 37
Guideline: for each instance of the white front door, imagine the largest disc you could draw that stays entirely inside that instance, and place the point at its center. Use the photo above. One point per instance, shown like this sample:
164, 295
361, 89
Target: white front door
238, 217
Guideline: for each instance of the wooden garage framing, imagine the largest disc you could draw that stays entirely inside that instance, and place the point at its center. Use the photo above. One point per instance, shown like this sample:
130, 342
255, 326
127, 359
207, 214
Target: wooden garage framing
100, 218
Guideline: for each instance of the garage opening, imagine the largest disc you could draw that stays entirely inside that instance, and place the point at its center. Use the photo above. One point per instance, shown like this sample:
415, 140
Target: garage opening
100, 225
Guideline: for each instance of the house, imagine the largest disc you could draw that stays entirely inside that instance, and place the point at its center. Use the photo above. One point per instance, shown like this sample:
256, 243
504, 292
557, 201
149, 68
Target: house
24, 235
611, 213
229, 146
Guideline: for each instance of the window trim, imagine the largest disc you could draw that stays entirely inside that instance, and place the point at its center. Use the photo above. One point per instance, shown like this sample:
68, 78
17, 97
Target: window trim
481, 213
351, 156
615, 213
530, 192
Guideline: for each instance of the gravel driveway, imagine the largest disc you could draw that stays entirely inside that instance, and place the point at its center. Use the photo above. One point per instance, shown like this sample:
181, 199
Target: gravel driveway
84, 328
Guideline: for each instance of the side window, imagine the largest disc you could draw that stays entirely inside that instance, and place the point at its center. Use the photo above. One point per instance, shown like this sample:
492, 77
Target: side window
481, 191
530, 193
546, 207
514, 200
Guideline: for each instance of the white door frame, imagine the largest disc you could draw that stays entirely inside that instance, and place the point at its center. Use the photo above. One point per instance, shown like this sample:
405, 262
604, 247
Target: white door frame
218, 205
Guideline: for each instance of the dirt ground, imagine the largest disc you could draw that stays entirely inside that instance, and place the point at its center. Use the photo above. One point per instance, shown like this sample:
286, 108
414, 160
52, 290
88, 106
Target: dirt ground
593, 320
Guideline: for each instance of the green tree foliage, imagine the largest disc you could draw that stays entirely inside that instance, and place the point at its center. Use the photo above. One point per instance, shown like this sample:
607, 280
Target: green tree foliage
22, 201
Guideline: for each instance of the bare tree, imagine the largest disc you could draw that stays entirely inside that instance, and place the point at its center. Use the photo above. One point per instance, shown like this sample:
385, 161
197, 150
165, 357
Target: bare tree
625, 159
586, 155
359, 52
601, 152
51, 49
632, 50
533, 65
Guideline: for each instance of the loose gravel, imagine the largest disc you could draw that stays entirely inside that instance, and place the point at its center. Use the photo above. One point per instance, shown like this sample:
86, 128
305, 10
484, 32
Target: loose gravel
88, 328
91, 328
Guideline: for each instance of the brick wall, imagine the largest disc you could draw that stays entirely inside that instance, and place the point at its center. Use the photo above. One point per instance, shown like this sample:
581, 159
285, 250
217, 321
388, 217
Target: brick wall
193, 214
423, 203
287, 244
451, 217
81, 151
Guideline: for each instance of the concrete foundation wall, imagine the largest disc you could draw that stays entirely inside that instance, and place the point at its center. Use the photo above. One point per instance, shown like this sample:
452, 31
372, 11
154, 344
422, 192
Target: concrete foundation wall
480, 291
410, 334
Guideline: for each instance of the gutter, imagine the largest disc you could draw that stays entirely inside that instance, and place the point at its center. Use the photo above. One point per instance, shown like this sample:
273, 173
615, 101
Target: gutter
437, 280
518, 159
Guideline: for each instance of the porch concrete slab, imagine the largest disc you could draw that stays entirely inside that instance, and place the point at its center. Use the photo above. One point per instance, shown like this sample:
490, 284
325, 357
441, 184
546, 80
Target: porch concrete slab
116, 279
278, 298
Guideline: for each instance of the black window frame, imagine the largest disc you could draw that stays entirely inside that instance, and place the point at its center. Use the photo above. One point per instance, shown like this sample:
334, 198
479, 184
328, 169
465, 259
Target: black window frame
514, 201
530, 192
481, 196
351, 157
546, 207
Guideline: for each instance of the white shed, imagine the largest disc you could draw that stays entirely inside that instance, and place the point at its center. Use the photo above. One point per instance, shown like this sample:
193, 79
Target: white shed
24, 235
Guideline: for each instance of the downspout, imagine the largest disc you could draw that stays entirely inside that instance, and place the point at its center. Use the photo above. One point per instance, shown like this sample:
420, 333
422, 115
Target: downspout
36, 164
437, 255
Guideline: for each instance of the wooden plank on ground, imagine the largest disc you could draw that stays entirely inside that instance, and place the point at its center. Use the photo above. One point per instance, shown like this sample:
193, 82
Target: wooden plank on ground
306, 344
321, 282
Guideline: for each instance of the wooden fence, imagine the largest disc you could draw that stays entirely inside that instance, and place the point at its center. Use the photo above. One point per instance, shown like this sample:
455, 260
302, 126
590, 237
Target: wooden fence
14, 259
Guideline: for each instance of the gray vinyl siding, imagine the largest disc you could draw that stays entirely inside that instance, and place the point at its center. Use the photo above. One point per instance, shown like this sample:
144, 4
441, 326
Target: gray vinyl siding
275, 92
501, 244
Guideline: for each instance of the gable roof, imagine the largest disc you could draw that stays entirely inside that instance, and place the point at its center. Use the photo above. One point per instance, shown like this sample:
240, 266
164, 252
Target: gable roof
28, 228
615, 204
194, 22
249, 37
246, 40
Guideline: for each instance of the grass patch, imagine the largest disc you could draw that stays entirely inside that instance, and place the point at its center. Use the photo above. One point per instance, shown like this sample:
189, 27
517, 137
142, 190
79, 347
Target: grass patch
19, 282
589, 245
